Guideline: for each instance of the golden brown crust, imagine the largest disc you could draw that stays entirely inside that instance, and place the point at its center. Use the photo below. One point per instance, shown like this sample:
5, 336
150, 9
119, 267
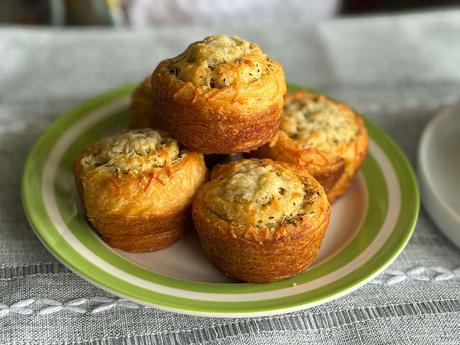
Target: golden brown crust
144, 113
220, 104
265, 253
333, 162
200, 131
139, 210
143, 243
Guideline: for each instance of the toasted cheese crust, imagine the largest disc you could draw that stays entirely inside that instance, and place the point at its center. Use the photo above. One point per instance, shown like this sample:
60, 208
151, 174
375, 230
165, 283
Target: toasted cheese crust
323, 136
222, 95
258, 193
221, 61
137, 187
132, 151
261, 220
315, 121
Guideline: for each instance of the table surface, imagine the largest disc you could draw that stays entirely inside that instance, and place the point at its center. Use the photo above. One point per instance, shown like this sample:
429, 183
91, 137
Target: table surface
397, 70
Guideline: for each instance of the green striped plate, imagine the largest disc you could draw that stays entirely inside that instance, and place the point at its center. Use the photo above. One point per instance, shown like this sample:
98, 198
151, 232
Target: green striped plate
369, 227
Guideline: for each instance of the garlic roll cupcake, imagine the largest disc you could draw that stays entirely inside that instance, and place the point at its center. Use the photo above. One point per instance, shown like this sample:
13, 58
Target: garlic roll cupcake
325, 137
144, 113
137, 187
221, 95
260, 220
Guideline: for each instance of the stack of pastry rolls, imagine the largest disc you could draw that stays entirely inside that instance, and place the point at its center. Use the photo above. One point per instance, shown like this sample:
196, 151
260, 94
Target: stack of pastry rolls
259, 219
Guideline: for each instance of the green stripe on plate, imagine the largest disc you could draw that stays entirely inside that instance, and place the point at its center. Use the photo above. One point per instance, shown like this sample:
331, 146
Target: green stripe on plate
377, 208
47, 232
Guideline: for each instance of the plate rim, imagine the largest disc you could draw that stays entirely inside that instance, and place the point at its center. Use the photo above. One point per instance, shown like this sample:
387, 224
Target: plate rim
437, 206
396, 153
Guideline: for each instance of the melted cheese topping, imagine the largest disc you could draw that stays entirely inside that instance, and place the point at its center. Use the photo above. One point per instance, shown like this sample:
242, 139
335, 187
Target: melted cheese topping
220, 61
318, 122
132, 151
256, 193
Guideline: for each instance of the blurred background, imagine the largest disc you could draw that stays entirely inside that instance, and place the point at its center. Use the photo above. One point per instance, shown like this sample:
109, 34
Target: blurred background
161, 13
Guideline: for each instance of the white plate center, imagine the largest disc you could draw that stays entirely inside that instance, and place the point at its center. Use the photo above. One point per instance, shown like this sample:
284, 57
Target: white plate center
186, 260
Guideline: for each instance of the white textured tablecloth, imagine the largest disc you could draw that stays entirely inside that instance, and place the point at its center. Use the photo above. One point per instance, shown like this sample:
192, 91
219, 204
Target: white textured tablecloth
396, 70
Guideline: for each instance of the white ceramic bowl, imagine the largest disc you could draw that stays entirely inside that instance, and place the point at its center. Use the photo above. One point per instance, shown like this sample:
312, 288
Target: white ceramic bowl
439, 171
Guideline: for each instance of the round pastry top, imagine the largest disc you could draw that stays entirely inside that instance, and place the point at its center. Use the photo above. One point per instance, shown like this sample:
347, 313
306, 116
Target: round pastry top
315, 121
221, 61
259, 193
132, 151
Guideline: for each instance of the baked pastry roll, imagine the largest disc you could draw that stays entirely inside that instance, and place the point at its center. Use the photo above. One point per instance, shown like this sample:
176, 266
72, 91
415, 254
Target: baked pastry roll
261, 220
325, 137
137, 187
221, 95
144, 113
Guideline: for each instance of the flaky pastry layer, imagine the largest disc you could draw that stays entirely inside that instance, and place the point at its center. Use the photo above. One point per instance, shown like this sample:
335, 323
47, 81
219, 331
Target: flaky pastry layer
260, 220
134, 206
325, 137
222, 95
